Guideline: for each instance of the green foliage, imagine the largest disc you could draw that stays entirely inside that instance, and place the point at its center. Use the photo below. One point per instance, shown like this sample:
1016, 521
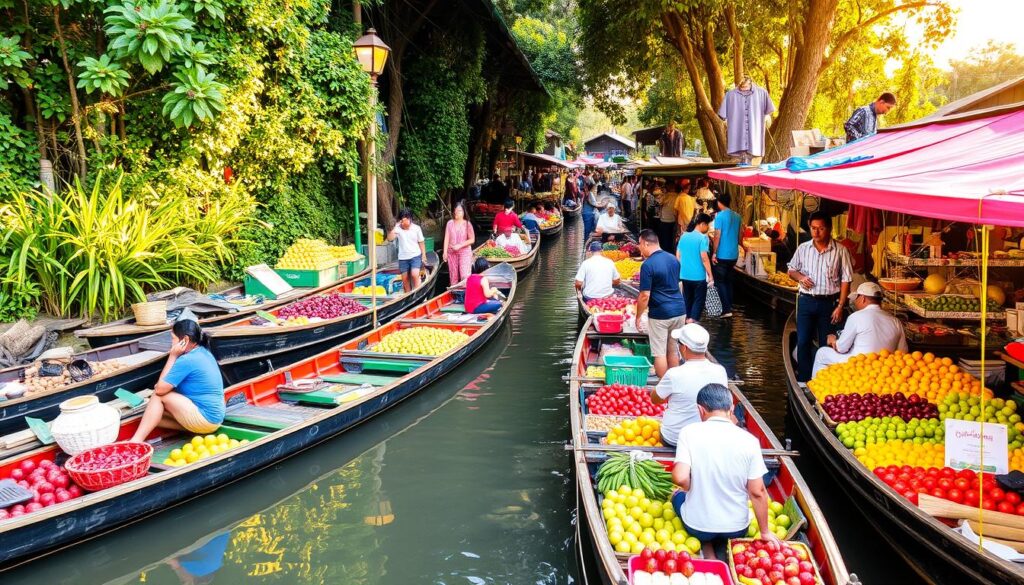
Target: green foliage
196, 96
149, 34
983, 67
18, 300
213, 8
94, 252
12, 62
19, 163
102, 75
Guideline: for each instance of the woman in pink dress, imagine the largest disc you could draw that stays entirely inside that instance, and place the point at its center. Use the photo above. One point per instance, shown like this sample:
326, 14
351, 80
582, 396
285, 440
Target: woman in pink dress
458, 242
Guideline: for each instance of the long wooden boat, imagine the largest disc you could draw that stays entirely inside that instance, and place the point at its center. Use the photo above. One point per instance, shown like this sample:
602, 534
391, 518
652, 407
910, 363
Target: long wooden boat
571, 213
520, 263
928, 545
781, 299
786, 480
142, 361
245, 350
552, 231
126, 329
278, 424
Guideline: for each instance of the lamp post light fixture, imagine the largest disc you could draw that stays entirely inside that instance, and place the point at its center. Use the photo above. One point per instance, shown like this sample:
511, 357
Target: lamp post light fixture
372, 54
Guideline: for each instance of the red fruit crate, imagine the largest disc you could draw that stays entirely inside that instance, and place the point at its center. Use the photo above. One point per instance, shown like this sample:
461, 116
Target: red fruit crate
700, 565
134, 459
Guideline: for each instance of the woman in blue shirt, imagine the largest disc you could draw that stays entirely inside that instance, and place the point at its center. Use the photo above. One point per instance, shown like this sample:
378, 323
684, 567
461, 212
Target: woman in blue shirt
695, 267
190, 393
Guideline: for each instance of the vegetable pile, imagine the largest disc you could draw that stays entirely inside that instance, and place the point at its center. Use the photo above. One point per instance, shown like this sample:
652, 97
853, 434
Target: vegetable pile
760, 562
306, 254
628, 269
620, 399
47, 481
956, 304
620, 469
630, 249
661, 567
494, 252
34, 383
609, 246
615, 255
850, 407
962, 487
421, 341
635, 521
612, 304
329, 306
513, 251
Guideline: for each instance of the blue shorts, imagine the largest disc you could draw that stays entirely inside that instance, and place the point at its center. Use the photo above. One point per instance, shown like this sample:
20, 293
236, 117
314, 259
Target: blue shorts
677, 504
414, 263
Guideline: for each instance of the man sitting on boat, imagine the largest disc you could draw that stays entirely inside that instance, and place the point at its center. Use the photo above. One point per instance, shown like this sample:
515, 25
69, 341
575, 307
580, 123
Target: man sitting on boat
680, 385
507, 238
610, 223
719, 467
868, 330
597, 276
531, 220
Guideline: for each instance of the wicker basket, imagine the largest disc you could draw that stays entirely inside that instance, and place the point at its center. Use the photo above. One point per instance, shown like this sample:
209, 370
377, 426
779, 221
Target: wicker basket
85, 423
151, 313
131, 461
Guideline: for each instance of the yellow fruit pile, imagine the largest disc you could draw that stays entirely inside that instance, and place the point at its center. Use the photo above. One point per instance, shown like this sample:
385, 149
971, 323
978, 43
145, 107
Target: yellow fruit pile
885, 372
901, 453
781, 279
628, 268
201, 447
1017, 459
307, 254
595, 372
641, 431
345, 253
551, 221
615, 255
635, 522
294, 320
365, 290
421, 341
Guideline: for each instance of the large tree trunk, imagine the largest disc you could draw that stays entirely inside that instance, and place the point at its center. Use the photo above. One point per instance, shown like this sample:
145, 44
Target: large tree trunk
711, 126
480, 126
76, 113
796, 99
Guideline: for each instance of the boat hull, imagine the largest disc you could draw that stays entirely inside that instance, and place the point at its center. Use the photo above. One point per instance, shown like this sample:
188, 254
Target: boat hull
571, 212
553, 230
779, 298
922, 541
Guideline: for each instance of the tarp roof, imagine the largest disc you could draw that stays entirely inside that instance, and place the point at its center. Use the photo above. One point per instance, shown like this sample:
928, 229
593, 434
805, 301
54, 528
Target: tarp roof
547, 158
965, 168
671, 166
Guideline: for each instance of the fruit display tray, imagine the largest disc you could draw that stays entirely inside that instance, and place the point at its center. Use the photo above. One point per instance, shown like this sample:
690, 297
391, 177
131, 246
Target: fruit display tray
910, 302
792, 543
994, 262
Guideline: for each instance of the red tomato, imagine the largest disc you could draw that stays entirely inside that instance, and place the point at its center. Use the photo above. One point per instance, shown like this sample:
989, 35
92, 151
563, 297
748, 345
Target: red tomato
966, 474
900, 486
962, 483
929, 482
988, 484
938, 493
932, 472
1013, 498
955, 495
651, 566
1020, 509
995, 493
945, 483
988, 503
912, 496
971, 497
1006, 507
947, 472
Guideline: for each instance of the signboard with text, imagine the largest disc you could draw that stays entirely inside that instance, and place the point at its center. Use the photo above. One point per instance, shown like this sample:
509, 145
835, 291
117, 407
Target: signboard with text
966, 450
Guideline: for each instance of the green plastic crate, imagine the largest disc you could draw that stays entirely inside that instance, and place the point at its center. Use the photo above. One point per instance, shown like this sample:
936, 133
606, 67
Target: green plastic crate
351, 268
631, 370
254, 287
309, 278
428, 242
640, 348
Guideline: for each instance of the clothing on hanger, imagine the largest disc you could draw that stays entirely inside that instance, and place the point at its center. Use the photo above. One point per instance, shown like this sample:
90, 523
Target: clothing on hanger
744, 112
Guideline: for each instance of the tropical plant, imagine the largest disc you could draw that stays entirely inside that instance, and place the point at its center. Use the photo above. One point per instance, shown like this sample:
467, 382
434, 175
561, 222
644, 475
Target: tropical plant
12, 61
196, 96
102, 75
149, 34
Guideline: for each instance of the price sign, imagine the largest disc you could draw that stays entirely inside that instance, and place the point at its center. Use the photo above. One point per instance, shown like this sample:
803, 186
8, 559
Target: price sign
964, 446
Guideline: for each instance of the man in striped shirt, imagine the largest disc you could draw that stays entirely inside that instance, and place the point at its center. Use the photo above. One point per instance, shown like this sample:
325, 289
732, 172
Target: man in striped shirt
823, 270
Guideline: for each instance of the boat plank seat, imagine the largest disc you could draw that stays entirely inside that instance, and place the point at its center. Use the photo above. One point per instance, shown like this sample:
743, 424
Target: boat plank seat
140, 357
275, 417
454, 308
331, 396
359, 379
360, 362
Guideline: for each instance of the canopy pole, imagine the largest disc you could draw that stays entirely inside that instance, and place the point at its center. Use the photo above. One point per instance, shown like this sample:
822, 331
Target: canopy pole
985, 229
371, 195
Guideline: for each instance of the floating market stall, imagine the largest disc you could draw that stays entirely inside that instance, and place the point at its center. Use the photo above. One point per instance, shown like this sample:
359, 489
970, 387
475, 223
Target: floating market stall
268, 418
888, 424
615, 427
626, 254
520, 262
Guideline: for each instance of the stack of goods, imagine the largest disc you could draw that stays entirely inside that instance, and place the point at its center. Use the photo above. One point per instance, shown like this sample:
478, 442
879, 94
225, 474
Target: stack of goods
317, 308
608, 246
759, 562
487, 208
615, 255
662, 567
614, 304
367, 290
202, 447
495, 252
36, 384
48, 482
782, 279
595, 372
960, 487
551, 221
345, 253
628, 269
955, 304
421, 341
619, 399
638, 432
630, 249
513, 251
306, 254
635, 521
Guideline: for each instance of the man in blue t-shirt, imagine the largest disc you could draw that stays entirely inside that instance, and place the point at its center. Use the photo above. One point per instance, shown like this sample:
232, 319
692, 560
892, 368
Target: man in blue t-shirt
728, 225
695, 267
659, 292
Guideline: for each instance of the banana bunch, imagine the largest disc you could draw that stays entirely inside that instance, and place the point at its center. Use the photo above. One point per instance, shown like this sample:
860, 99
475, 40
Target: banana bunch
647, 474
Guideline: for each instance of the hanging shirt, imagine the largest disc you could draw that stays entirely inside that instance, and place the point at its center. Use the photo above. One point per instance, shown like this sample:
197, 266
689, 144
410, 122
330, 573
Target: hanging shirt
744, 113
863, 122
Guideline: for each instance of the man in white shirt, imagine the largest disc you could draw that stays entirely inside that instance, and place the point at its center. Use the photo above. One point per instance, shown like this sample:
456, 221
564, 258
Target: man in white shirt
868, 330
719, 467
412, 251
597, 276
680, 385
610, 223
507, 238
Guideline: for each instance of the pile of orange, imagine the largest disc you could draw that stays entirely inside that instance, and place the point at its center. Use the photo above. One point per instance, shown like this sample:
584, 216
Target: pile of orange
637, 432
886, 372
1017, 459
615, 255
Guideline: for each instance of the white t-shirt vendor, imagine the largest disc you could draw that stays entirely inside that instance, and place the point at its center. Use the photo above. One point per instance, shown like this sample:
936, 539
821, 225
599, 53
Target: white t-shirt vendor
611, 222
868, 330
680, 385
719, 467
597, 275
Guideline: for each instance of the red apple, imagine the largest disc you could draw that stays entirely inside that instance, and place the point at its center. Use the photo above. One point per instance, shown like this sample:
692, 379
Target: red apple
791, 570
793, 581
670, 566
806, 567
807, 578
688, 569
651, 566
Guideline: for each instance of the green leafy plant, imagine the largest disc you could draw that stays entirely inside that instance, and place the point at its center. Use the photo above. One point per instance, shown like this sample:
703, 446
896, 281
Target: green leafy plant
214, 8
194, 53
18, 300
149, 34
196, 96
12, 62
102, 75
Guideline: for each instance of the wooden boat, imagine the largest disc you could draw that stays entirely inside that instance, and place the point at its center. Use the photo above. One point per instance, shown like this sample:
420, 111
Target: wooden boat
550, 232
571, 213
143, 359
277, 424
928, 545
520, 263
786, 482
623, 290
245, 350
781, 299
126, 329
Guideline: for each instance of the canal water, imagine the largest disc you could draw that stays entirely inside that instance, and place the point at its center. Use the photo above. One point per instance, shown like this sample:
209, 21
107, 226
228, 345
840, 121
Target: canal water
467, 482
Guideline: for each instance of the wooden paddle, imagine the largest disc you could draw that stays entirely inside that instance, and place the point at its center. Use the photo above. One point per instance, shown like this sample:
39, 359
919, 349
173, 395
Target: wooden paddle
941, 508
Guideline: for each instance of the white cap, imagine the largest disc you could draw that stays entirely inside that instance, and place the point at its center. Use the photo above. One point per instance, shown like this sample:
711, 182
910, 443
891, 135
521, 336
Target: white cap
611, 204
868, 289
693, 336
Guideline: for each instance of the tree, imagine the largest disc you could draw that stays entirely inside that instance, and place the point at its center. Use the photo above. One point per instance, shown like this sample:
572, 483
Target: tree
986, 66
788, 45
549, 46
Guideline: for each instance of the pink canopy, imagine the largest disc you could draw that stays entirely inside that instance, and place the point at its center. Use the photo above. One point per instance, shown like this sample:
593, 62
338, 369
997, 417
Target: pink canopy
962, 170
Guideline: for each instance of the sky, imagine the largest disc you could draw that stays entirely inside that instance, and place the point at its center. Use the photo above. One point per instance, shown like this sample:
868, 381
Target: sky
977, 22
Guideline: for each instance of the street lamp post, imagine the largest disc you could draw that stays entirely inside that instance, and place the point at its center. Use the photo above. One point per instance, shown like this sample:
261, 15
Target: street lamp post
372, 54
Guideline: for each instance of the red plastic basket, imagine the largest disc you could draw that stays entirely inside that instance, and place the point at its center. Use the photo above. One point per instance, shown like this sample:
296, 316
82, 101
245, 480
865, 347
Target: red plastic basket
133, 464
701, 565
610, 322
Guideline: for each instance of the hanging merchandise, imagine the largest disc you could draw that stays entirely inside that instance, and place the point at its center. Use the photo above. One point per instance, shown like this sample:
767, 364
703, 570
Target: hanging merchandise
745, 110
